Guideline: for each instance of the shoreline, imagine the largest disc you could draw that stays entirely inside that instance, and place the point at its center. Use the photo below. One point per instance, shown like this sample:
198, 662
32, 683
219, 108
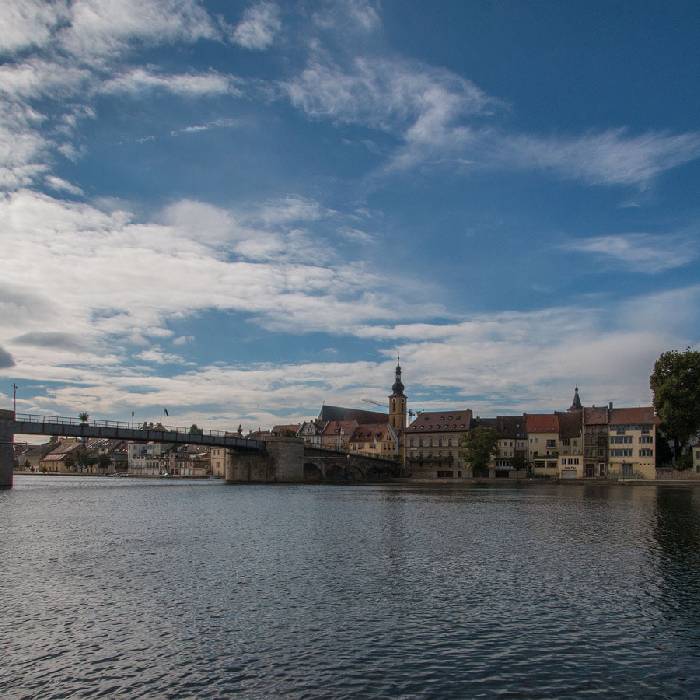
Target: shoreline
400, 481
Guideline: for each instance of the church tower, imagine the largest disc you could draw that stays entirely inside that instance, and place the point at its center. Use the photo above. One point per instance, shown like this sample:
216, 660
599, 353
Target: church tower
576, 403
397, 403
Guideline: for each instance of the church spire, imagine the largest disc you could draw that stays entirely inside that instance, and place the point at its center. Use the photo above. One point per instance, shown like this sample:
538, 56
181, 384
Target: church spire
398, 387
576, 403
397, 401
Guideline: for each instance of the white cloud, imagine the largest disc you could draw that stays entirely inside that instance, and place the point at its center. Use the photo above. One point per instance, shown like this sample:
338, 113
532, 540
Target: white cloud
485, 363
34, 78
432, 113
100, 28
342, 14
138, 80
27, 23
60, 185
612, 157
258, 27
23, 149
141, 274
640, 252
286, 210
156, 355
423, 106
356, 235
206, 126
183, 340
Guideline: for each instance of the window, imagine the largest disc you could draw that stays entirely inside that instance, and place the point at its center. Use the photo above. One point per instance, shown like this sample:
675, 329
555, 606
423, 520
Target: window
445, 475
646, 440
621, 440
621, 452
551, 443
646, 452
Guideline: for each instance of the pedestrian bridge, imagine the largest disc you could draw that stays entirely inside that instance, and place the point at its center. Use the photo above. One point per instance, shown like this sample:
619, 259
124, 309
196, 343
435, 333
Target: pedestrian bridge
269, 460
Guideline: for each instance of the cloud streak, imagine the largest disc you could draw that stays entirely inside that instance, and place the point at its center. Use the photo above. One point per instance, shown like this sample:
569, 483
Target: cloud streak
638, 252
258, 27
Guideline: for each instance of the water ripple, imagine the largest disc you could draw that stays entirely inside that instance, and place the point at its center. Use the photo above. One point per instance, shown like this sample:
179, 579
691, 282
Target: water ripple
159, 589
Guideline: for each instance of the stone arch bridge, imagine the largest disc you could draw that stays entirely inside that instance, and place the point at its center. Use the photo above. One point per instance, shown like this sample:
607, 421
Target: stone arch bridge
272, 460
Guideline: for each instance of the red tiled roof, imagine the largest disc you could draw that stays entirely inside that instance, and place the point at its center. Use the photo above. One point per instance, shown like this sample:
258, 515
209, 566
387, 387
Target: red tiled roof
631, 416
542, 422
371, 431
335, 426
595, 416
441, 421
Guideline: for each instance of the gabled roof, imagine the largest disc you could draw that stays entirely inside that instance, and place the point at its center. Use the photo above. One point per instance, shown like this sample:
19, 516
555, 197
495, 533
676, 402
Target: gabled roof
441, 421
542, 422
632, 416
360, 415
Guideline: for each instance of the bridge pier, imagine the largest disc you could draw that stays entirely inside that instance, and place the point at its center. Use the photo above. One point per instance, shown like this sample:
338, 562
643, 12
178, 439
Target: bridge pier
7, 454
281, 462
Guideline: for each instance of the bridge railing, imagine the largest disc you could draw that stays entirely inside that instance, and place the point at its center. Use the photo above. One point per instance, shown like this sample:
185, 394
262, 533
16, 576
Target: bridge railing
69, 420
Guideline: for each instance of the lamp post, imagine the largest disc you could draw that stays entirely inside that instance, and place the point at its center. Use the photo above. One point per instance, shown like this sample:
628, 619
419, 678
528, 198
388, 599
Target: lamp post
14, 399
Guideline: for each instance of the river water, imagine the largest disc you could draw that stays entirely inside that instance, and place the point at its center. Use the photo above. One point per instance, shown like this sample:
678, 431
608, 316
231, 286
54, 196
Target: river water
121, 587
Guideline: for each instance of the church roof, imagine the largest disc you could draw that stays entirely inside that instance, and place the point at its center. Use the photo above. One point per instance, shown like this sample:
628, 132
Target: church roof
336, 413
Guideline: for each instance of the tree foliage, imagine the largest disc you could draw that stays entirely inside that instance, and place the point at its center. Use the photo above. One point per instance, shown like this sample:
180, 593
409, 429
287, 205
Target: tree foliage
675, 382
476, 448
195, 430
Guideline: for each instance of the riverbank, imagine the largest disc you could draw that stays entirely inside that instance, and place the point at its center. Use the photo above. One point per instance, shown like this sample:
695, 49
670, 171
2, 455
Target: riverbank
120, 475
549, 482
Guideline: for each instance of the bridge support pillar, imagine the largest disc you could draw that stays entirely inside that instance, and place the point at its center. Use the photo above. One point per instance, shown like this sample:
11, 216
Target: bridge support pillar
7, 454
282, 462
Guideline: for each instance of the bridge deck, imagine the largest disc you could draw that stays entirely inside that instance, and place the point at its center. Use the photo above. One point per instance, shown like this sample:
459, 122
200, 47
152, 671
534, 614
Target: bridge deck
26, 424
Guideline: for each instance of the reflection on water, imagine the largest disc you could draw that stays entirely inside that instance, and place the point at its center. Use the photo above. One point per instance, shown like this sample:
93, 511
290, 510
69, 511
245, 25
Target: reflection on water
157, 588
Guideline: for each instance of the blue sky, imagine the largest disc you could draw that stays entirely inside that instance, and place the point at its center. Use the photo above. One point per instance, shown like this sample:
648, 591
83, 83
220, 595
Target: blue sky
240, 210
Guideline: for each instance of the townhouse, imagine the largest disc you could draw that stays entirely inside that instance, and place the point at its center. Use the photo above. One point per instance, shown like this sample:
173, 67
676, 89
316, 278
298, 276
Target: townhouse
432, 444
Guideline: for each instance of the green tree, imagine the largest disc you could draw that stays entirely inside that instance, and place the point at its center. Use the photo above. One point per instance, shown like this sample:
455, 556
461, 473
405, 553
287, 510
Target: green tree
84, 459
69, 461
675, 382
519, 461
194, 430
476, 448
104, 462
83, 417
